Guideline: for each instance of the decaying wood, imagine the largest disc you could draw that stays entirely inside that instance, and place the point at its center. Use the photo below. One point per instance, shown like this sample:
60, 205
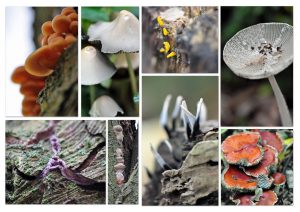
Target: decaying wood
79, 149
194, 37
60, 95
128, 192
195, 179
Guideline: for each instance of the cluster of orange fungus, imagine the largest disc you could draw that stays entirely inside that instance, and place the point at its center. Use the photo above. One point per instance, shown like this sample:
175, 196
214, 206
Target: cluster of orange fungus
30, 88
242, 149
57, 35
236, 179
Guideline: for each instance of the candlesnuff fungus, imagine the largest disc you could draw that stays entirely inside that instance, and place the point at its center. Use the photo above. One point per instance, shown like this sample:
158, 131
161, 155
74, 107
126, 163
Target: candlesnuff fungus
94, 67
120, 35
268, 161
243, 149
235, 179
262, 51
58, 34
105, 106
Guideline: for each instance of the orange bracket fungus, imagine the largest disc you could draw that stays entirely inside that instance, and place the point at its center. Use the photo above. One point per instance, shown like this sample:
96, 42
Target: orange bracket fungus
236, 180
243, 199
271, 139
268, 197
242, 149
58, 35
269, 159
253, 179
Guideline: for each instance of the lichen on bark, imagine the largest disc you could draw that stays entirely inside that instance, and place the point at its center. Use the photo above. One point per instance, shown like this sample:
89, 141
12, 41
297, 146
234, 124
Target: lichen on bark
78, 141
127, 193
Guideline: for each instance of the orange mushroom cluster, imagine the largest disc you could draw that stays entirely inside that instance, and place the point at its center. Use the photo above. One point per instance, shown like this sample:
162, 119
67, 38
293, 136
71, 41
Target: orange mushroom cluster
57, 35
250, 160
30, 88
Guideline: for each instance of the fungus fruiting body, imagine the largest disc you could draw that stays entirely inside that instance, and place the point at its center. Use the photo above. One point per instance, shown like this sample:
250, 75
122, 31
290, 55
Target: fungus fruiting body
105, 106
243, 149
271, 139
269, 159
243, 178
262, 51
235, 179
94, 67
268, 197
122, 34
119, 166
57, 35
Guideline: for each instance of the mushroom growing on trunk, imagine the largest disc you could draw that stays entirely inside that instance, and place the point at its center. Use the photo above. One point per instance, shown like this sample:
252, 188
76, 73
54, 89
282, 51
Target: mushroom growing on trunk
262, 51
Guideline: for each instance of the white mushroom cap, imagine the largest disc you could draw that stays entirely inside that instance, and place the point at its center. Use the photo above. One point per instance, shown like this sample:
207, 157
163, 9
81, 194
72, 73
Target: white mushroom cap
121, 61
260, 51
94, 67
122, 34
172, 14
105, 106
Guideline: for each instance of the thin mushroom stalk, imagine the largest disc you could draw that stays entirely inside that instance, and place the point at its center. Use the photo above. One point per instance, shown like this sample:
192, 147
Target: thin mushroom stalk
132, 78
282, 106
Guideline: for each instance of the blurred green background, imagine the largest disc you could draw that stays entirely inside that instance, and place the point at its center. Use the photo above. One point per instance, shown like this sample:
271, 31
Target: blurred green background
118, 87
90, 15
155, 90
257, 95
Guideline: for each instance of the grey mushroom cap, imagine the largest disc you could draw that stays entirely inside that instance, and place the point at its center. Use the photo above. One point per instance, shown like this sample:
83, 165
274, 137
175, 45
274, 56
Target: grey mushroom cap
120, 35
260, 51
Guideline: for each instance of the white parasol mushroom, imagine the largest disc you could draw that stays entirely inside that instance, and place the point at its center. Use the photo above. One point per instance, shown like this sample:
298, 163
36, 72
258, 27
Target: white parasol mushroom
262, 51
94, 67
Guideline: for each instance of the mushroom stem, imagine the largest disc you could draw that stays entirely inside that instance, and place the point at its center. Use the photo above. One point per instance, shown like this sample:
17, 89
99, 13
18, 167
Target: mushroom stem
132, 76
92, 93
282, 106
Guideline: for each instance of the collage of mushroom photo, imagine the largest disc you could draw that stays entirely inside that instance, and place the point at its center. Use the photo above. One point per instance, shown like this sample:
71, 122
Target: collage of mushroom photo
149, 105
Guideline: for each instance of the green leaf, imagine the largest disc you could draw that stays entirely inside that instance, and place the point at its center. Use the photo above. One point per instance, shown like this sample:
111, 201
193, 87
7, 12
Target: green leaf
288, 141
94, 14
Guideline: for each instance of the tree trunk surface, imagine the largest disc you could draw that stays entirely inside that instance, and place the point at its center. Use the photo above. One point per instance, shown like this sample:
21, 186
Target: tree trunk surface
193, 36
78, 140
129, 192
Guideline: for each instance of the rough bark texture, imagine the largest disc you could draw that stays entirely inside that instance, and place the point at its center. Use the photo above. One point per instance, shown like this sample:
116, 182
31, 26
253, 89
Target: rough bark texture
78, 140
192, 178
194, 37
128, 193
60, 95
